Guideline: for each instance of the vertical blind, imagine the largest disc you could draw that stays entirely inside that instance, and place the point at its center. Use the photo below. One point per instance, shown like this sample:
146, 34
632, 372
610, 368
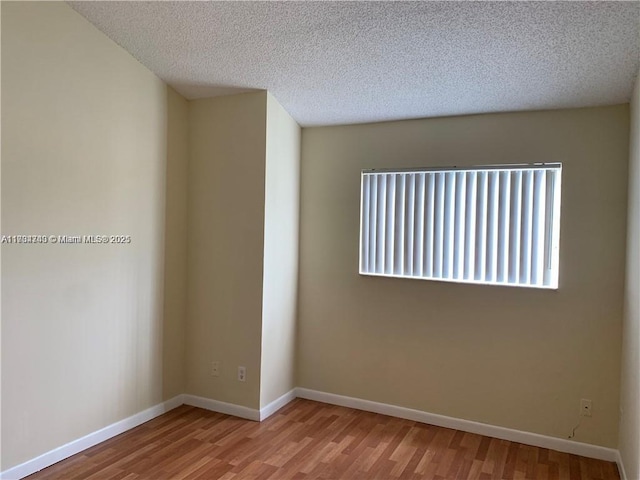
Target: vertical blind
495, 225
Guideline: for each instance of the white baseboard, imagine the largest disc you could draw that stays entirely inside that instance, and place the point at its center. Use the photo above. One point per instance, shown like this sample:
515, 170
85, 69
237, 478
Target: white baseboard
534, 439
222, 407
76, 446
277, 404
57, 454
620, 463
239, 410
172, 403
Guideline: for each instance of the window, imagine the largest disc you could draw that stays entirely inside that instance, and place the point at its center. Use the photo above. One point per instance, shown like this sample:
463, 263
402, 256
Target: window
494, 225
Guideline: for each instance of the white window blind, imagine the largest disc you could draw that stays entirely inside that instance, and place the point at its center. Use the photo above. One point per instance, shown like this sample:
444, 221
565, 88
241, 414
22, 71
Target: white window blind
494, 225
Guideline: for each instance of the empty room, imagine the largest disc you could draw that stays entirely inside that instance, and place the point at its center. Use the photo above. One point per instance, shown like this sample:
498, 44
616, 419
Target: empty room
320, 240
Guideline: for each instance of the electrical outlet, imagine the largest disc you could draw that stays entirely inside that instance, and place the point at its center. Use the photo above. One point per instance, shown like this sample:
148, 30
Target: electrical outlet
585, 407
215, 369
242, 374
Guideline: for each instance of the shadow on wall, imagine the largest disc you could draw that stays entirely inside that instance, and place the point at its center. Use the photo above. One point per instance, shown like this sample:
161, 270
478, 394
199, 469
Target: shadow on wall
175, 247
192, 91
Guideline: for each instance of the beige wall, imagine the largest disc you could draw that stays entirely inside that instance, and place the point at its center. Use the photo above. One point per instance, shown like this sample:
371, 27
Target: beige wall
84, 151
515, 357
227, 141
1, 463
242, 248
96, 144
175, 248
630, 379
280, 280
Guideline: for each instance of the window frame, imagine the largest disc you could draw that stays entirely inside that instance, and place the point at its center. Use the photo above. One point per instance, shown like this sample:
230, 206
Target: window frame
553, 227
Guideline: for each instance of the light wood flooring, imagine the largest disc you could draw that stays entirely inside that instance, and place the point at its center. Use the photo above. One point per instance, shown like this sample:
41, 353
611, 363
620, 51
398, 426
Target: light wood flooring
311, 440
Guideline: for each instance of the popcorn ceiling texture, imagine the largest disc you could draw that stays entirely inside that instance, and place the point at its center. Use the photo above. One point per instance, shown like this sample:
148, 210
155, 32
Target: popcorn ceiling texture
351, 62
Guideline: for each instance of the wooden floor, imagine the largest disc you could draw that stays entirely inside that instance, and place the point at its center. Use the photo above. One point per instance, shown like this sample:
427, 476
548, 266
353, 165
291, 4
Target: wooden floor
308, 440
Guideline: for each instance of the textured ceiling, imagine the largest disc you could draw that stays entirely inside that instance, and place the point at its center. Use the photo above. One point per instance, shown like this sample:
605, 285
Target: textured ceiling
350, 62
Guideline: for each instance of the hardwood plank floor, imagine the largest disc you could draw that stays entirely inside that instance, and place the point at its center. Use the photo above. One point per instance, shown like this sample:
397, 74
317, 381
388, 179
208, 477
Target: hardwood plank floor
311, 440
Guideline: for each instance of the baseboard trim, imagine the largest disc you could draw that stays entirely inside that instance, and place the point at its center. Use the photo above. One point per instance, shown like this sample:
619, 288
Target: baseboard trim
534, 439
620, 463
54, 456
277, 404
222, 407
76, 446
